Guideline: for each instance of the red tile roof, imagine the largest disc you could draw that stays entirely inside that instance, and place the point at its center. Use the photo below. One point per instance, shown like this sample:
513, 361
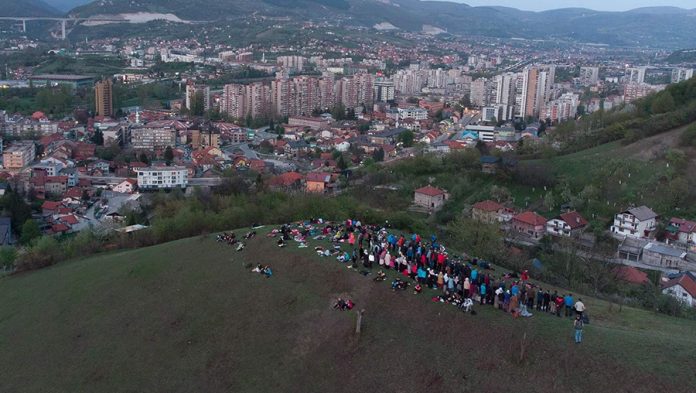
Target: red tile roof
685, 281
530, 218
56, 179
322, 177
73, 192
631, 274
429, 191
58, 228
574, 220
488, 206
70, 220
286, 179
49, 205
684, 226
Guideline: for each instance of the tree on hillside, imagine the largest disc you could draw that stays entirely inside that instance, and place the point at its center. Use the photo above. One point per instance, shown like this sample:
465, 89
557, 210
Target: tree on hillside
500, 194
478, 239
341, 163
8, 255
406, 138
378, 155
30, 231
17, 208
168, 155
688, 137
197, 104
98, 138
144, 158
663, 102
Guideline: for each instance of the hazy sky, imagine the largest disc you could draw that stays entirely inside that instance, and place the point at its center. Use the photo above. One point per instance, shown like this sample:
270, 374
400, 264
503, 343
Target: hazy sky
601, 5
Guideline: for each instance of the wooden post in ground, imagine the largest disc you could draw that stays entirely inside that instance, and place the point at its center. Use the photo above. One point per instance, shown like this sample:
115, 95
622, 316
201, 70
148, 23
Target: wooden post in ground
358, 322
523, 346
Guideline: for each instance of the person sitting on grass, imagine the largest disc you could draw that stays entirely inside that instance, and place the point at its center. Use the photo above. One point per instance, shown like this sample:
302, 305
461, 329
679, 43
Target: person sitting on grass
343, 305
466, 304
381, 276
267, 272
399, 284
240, 247
340, 304
281, 242
417, 289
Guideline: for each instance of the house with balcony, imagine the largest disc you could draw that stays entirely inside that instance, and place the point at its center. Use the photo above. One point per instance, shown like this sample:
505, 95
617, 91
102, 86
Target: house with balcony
637, 222
567, 224
681, 231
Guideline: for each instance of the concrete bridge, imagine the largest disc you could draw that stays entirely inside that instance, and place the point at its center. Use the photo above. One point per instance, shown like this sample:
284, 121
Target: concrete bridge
63, 21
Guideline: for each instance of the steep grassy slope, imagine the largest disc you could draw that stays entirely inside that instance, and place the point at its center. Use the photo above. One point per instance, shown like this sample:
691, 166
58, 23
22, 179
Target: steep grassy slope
187, 316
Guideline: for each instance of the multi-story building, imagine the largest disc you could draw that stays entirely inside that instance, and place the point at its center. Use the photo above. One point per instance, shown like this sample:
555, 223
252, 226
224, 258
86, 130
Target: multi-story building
636, 222
147, 138
296, 63
634, 91
192, 90
562, 108
384, 90
155, 178
412, 113
103, 98
589, 75
636, 75
537, 90
682, 74
233, 101
18, 155
479, 92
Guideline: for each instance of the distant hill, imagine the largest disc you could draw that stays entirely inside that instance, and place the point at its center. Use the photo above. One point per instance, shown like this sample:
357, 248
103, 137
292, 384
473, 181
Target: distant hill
667, 27
682, 56
27, 8
66, 5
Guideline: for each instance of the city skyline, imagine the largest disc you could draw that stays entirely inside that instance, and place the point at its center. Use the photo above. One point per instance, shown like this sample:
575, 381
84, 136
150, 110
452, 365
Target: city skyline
597, 5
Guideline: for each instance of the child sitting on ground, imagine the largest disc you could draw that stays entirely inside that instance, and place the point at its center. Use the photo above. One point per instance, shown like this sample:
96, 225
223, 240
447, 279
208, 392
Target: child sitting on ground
381, 276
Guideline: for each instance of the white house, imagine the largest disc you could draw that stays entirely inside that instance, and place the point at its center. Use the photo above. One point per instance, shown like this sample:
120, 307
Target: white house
412, 113
636, 222
682, 287
342, 146
126, 187
155, 178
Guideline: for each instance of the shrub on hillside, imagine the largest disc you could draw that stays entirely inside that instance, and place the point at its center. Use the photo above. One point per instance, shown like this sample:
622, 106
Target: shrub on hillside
45, 252
688, 137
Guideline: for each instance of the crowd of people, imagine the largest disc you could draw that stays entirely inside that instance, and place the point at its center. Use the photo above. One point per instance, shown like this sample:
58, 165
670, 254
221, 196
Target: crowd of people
425, 263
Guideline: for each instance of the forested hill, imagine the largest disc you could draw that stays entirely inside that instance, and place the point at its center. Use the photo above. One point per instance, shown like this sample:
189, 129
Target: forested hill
657, 26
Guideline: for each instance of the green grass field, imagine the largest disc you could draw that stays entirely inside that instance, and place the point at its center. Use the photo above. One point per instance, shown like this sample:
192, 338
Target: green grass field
188, 316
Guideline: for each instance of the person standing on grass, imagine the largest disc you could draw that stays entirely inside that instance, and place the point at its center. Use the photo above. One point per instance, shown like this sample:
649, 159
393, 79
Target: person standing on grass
568, 300
578, 325
579, 307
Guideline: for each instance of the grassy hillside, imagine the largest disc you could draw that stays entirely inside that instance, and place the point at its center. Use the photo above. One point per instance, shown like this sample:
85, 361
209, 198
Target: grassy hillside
187, 316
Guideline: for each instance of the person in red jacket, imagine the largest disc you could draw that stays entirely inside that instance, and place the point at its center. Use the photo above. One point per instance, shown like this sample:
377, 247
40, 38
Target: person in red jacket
525, 276
559, 304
